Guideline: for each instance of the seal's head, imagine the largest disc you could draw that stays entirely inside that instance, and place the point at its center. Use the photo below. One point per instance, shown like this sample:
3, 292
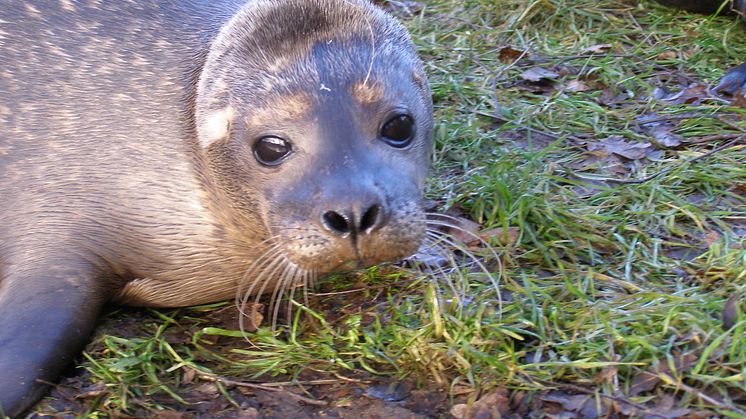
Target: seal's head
319, 128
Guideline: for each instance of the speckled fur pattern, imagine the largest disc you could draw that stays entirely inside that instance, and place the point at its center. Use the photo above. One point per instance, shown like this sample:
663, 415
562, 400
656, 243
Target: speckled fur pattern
126, 168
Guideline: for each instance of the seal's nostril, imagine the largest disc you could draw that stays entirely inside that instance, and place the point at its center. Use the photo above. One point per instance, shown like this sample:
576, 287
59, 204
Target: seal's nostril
371, 218
336, 222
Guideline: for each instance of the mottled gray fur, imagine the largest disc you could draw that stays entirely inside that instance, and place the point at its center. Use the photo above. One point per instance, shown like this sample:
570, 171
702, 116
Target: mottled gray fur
126, 168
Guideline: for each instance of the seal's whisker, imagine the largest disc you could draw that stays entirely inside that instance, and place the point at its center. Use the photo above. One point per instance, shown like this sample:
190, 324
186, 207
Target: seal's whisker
264, 277
453, 223
452, 241
257, 266
372, 44
297, 278
279, 290
439, 270
448, 239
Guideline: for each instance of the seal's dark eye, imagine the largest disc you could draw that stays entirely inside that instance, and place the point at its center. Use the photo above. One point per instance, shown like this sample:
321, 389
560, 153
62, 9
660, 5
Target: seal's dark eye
398, 131
270, 151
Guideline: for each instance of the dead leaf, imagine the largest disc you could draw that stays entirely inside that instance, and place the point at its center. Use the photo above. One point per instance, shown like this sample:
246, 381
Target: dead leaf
607, 374
536, 74
611, 99
664, 135
576, 86
648, 380
499, 235
253, 317
490, 406
95, 390
598, 49
739, 99
189, 375
730, 311
665, 409
667, 55
570, 402
711, 237
615, 144
508, 54
693, 94
463, 230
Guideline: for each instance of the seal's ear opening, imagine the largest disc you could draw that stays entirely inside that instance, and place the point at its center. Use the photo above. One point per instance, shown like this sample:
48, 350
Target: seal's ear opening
216, 126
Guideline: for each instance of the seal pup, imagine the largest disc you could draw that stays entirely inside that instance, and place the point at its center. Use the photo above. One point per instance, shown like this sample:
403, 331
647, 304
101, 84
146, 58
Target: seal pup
171, 153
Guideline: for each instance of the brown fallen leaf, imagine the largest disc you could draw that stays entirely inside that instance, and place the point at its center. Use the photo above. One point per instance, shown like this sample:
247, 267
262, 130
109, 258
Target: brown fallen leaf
692, 94
730, 311
536, 74
570, 402
252, 317
500, 236
508, 54
711, 237
576, 86
664, 135
667, 55
598, 49
631, 150
493, 405
648, 380
463, 230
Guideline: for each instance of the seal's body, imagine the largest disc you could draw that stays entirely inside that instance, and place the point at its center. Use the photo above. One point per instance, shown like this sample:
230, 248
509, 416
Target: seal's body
160, 153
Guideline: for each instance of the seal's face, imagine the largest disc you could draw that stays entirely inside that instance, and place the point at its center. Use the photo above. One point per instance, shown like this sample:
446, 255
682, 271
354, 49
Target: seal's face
333, 146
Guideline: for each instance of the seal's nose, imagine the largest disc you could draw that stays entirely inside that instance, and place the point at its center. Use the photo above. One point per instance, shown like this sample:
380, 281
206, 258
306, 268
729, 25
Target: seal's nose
343, 223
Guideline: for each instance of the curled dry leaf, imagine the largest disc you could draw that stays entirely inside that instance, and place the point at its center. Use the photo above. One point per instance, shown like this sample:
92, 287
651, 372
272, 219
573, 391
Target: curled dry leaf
500, 236
598, 49
692, 94
508, 54
536, 74
615, 144
188, 376
253, 317
648, 380
664, 135
711, 237
467, 231
667, 55
577, 86
493, 405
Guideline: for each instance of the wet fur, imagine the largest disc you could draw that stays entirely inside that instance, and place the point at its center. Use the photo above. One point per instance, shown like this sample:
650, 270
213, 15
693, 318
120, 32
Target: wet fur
126, 171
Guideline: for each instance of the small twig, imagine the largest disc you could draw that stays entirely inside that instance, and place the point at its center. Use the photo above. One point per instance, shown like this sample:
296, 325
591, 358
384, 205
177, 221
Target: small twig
739, 140
265, 387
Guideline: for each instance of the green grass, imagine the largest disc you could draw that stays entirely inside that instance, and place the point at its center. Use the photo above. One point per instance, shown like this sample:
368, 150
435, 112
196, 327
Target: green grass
599, 286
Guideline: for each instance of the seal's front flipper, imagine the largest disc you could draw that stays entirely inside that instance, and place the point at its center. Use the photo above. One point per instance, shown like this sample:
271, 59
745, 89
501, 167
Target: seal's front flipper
733, 81
47, 312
